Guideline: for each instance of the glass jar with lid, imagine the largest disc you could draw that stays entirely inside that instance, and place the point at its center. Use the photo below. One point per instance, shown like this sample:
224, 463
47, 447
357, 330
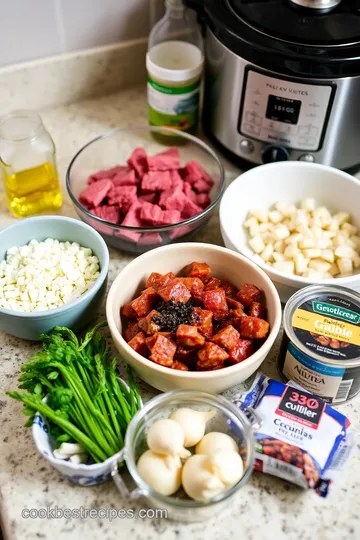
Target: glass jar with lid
27, 158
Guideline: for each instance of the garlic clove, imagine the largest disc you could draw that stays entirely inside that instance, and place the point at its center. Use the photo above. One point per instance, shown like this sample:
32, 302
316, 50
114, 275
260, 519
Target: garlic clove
215, 442
166, 437
198, 481
227, 466
192, 422
160, 473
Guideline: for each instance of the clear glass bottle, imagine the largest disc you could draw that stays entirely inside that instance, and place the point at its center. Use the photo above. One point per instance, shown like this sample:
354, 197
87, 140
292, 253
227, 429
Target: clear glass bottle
174, 63
27, 158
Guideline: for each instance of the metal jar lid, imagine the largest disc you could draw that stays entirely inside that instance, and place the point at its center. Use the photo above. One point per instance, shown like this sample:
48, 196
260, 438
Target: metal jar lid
307, 294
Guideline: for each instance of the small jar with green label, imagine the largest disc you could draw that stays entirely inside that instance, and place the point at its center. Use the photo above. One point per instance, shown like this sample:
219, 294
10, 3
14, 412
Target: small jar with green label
174, 69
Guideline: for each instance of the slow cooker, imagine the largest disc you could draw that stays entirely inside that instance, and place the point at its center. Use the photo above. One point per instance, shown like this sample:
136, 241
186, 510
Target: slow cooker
283, 79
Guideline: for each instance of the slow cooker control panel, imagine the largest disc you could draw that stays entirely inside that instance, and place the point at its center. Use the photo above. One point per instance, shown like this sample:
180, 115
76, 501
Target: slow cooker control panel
283, 112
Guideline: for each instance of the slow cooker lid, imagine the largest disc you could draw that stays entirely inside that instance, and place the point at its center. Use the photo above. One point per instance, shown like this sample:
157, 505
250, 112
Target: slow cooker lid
287, 21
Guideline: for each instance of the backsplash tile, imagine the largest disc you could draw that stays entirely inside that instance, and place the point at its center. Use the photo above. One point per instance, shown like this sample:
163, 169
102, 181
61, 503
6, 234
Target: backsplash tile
28, 30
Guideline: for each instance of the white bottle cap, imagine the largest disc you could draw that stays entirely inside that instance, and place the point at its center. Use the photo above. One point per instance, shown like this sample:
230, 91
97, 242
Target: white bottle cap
175, 61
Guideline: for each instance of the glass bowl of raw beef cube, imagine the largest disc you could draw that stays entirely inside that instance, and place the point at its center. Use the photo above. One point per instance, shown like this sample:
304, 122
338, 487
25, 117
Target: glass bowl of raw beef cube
140, 190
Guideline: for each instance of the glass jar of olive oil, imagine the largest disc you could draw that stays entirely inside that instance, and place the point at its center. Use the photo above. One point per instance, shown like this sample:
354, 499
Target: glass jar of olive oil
27, 158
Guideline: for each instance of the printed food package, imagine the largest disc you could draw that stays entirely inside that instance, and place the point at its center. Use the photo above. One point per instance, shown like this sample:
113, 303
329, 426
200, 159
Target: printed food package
301, 438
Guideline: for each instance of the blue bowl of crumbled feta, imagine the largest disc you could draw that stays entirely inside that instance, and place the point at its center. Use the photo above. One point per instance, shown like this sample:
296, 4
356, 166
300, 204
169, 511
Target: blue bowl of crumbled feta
53, 272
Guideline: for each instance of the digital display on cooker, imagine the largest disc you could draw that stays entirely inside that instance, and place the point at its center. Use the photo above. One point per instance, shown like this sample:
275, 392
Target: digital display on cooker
283, 109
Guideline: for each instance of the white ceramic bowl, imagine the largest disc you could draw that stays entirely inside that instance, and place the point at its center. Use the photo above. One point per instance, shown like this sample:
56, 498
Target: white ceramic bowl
226, 265
288, 182
82, 474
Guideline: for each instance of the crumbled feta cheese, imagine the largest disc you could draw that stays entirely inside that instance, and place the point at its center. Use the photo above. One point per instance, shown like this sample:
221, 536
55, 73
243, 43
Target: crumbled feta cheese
46, 275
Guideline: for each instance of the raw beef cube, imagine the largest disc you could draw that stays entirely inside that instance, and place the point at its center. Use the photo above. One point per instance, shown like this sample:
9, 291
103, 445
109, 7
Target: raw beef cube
211, 283
203, 200
169, 217
248, 293
163, 351
241, 350
235, 317
189, 336
229, 288
177, 181
180, 231
175, 290
203, 320
108, 173
226, 337
215, 301
190, 209
96, 193
179, 366
190, 194
138, 162
132, 329
132, 218
165, 161
257, 310
144, 303
211, 357
149, 197
151, 214
253, 328
147, 324
109, 213
150, 239
127, 311
156, 181
200, 186
195, 286
138, 344
172, 200
124, 196
157, 280
197, 269
193, 171
233, 304
125, 178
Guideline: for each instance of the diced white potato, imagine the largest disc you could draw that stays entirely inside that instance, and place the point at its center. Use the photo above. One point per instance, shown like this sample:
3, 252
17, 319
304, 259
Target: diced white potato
329, 234
251, 221
281, 232
341, 217
316, 231
312, 274
327, 275
289, 210
294, 238
339, 240
322, 215
323, 243
344, 252
287, 267
305, 232
333, 225
301, 264
334, 269
279, 246
351, 229
260, 215
254, 229
356, 240
356, 260
319, 265
275, 216
312, 253
280, 207
345, 265
346, 274
306, 243
328, 255
263, 227
267, 237
308, 204
256, 243
291, 251
278, 257
267, 252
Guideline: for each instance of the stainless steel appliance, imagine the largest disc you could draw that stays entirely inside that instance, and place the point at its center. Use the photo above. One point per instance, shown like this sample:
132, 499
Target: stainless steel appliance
283, 79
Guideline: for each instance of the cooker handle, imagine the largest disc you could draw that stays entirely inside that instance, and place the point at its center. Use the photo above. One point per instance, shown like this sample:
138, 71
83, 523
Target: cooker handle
125, 493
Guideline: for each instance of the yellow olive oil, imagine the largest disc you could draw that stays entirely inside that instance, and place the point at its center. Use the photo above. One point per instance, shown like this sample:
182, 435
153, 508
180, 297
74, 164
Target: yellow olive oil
33, 191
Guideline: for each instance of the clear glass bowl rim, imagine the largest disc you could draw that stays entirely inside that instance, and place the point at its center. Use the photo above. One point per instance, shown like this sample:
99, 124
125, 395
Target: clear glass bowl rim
154, 129
167, 399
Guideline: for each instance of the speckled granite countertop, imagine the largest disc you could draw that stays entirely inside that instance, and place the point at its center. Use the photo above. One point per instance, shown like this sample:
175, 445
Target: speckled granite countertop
265, 508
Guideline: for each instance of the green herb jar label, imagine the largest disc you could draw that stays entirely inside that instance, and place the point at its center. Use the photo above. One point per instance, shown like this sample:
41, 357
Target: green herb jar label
175, 107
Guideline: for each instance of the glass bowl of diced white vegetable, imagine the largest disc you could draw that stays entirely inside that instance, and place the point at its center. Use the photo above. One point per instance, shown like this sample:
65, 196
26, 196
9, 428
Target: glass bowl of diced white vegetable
298, 221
